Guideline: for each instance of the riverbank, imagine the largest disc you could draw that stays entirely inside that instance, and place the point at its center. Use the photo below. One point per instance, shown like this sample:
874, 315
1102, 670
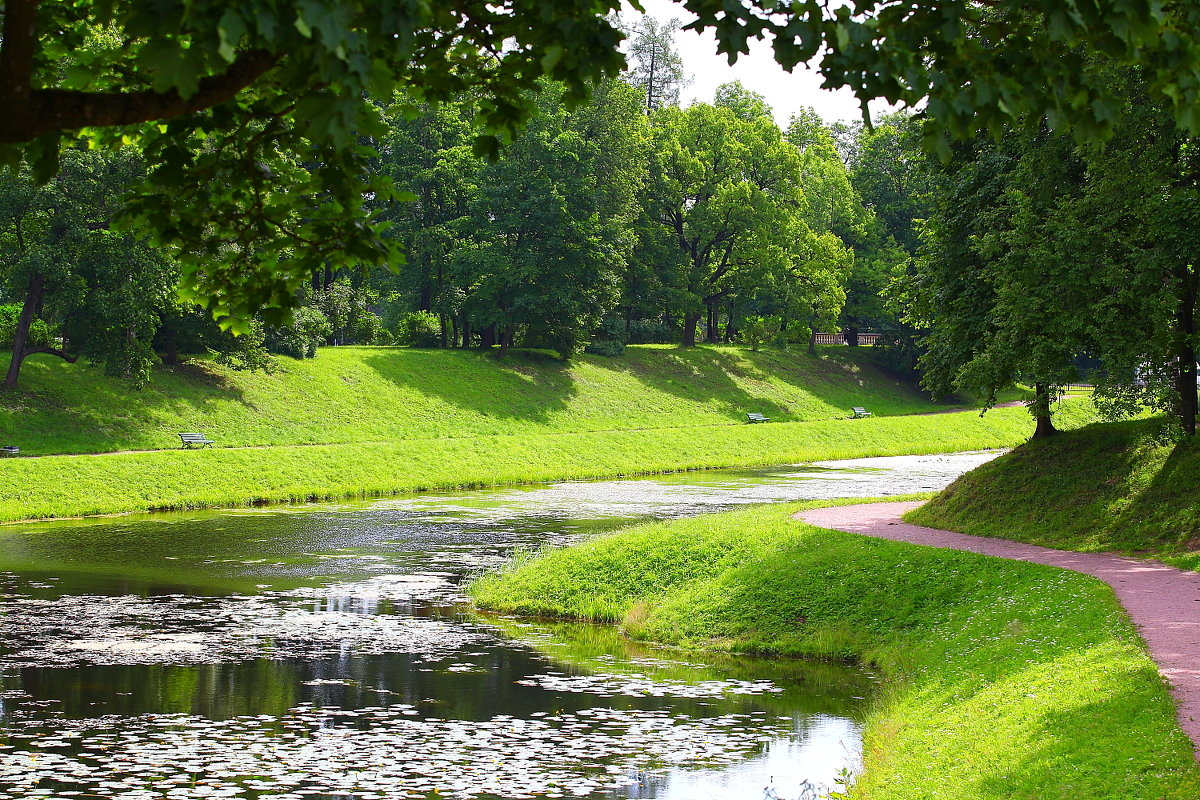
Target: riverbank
1116, 486
1003, 679
65, 486
383, 394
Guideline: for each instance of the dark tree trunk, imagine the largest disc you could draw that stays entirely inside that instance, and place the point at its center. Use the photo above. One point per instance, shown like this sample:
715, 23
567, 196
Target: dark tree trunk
445, 334
506, 338
1185, 333
425, 301
812, 342
171, 347
690, 322
851, 336
328, 278
487, 336
21, 348
1041, 412
466, 331
713, 333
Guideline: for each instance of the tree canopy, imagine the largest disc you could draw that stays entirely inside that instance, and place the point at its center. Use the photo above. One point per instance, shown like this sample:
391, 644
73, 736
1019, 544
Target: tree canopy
251, 115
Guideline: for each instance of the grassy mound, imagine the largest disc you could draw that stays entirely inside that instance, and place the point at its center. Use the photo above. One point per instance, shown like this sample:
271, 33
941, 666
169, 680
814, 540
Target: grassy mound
368, 394
1005, 679
1109, 486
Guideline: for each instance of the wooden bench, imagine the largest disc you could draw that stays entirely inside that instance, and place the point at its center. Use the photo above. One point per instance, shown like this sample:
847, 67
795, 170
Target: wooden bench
10, 450
199, 439
860, 412
754, 416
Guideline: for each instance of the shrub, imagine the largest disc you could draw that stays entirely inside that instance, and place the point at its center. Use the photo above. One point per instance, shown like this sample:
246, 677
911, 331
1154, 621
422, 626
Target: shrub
39, 331
419, 329
309, 328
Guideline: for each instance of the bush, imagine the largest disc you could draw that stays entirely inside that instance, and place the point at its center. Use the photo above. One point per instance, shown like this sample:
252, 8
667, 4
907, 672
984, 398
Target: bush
605, 347
309, 328
757, 331
39, 331
650, 331
247, 352
609, 338
419, 329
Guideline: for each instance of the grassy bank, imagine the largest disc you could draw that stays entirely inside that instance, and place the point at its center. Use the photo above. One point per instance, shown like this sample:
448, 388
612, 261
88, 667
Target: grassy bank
1109, 486
373, 394
1005, 680
109, 483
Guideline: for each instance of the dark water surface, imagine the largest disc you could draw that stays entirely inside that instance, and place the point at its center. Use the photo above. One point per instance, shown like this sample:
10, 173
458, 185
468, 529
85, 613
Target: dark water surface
326, 652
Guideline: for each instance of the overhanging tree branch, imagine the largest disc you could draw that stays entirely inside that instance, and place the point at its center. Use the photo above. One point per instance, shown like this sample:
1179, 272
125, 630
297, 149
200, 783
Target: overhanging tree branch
43, 111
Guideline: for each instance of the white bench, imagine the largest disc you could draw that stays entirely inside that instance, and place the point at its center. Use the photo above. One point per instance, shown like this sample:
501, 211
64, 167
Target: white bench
754, 416
195, 439
860, 412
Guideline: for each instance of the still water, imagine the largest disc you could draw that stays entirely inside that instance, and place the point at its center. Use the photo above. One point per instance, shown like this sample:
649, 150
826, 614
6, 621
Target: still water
327, 652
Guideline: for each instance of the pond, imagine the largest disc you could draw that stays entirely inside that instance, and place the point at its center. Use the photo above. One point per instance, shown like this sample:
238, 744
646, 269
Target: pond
327, 652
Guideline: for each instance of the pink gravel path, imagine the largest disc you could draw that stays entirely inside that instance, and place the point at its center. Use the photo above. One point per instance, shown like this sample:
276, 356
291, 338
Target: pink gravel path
1162, 600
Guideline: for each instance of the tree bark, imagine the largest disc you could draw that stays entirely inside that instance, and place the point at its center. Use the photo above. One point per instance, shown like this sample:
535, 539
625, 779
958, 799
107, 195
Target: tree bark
1040, 408
851, 336
712, 334
691, 321
487, 337
1185, 333
21, 348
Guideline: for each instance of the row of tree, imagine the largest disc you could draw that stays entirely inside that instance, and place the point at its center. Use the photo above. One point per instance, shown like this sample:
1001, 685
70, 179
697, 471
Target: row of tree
1043, 251
624, 219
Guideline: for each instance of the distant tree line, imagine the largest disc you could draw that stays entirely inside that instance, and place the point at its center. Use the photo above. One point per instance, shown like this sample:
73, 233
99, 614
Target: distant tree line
627, 219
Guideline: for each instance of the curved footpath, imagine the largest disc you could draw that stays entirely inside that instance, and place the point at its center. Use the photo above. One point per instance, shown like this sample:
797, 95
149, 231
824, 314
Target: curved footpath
1162, 600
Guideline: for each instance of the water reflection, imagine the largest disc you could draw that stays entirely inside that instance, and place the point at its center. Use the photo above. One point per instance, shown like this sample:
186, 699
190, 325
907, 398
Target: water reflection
326, 652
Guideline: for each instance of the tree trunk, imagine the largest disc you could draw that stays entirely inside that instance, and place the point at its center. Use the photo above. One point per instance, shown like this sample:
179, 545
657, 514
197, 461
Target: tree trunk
851, 336
33, 298
506, 338
487, 337
425, 301
1185, 333
466, 331
712, 334
443, 331
812, 342
21, 348
1040, 408
690, 322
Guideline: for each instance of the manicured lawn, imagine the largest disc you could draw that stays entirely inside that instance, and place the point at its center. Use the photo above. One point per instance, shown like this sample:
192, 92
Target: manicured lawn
370, 394
1003, 679
172, 479
1109, 486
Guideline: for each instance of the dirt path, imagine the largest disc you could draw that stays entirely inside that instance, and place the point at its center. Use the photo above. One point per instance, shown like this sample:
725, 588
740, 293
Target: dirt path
1161, 600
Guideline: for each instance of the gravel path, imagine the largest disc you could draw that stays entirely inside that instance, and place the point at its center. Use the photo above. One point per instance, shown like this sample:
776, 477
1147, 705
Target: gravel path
1162, 600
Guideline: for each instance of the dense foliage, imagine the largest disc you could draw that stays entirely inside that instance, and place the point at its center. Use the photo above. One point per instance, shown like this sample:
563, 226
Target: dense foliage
250, 115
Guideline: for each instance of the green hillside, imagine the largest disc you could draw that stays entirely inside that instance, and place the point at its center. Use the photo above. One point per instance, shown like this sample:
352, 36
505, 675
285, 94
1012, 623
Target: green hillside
1110, 486
370, 394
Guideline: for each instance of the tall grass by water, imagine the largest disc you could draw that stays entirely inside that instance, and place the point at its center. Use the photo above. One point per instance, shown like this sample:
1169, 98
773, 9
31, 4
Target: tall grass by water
1003, 679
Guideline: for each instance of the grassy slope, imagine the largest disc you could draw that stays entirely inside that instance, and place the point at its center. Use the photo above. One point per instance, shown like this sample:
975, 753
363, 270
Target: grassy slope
362, 394
1109, 486
1006, 680
109, 483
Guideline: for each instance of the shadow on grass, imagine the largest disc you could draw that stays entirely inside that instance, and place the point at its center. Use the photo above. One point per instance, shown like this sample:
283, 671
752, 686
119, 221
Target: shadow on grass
57, 409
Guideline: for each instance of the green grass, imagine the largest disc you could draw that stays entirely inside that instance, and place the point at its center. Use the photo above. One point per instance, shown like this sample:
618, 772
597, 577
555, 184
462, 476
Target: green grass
366, 394
1003, 679
55, 486
1109, 486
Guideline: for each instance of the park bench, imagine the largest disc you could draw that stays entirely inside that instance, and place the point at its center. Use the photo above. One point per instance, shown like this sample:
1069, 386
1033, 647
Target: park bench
754, 416
190, 439
860, 412
10, 450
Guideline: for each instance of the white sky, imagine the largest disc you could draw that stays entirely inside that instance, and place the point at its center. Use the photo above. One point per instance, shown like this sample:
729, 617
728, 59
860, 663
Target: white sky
785, 92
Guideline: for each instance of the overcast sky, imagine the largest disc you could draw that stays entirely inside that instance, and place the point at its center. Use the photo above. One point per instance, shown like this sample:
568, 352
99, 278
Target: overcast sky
785, 92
